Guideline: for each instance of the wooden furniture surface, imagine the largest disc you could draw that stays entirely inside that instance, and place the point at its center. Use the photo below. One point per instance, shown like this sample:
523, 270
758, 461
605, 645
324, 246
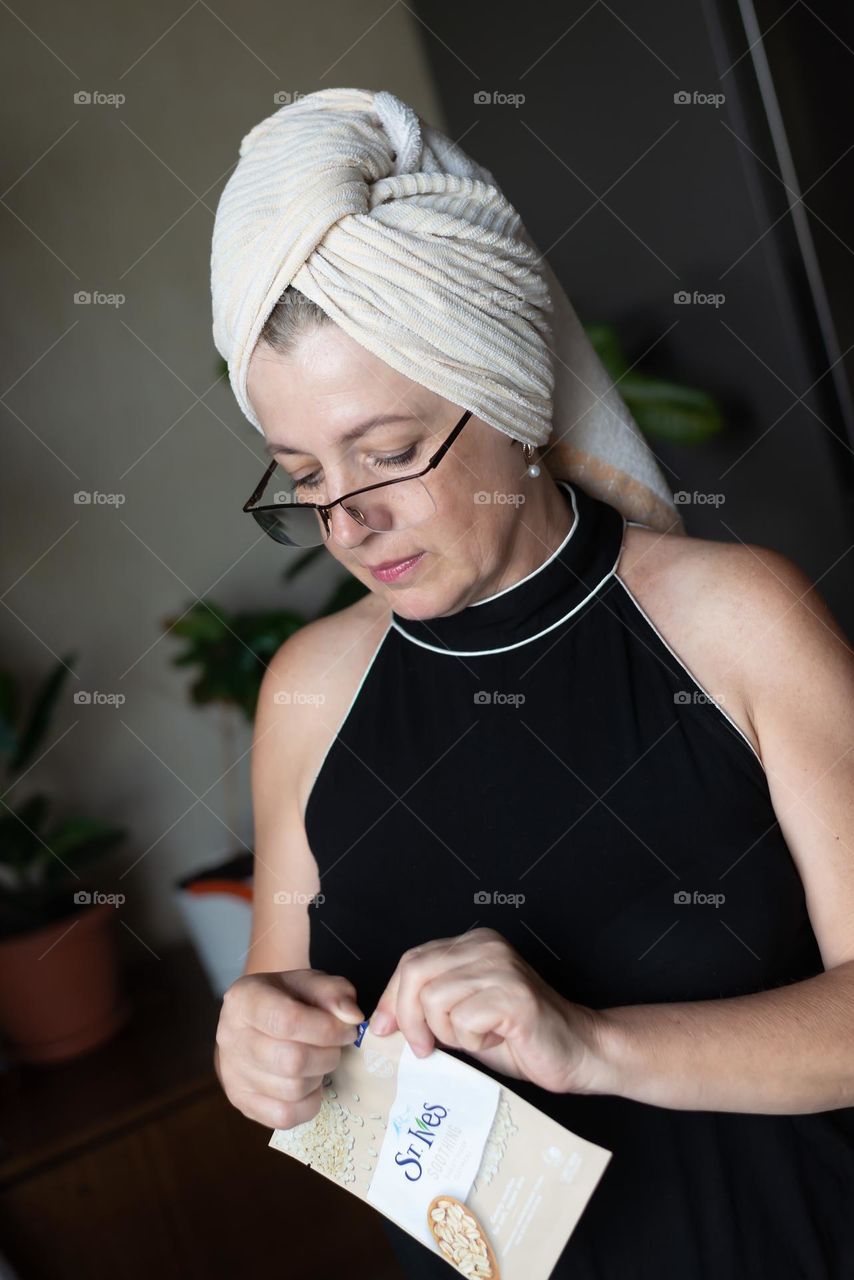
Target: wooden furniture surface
130, 1162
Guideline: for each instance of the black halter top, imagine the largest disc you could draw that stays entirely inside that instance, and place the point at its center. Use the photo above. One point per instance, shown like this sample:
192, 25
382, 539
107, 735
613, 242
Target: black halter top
543, 762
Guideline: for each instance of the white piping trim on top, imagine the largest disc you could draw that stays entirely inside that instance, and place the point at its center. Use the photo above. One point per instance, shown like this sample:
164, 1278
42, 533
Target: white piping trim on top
513, 585
690, 673
478, 653
345, 717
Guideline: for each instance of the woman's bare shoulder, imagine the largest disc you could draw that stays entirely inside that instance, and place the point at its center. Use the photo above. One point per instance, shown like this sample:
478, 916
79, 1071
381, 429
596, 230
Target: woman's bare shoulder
312, 680
711, 601
332, 647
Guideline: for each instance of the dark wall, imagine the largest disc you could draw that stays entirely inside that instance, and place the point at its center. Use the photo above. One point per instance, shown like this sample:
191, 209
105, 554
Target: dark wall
634, 197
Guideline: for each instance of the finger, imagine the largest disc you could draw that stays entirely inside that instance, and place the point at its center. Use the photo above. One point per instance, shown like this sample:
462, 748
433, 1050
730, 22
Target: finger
289, 1057
478, 1020
440, 995
416, 969
384, 1018
330, 991
279, 1088
276, 1113
283, 1017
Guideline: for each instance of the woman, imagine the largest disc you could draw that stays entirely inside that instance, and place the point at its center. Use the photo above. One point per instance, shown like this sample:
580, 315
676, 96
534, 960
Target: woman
553, 795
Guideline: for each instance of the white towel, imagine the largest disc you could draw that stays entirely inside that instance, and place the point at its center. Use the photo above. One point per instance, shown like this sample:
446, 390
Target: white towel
412, 248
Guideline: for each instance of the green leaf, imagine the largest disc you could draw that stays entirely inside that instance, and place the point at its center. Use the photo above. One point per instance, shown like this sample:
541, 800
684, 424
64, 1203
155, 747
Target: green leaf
20, 832
666, 411
204, 622
231, 652
609, 349
41, 713
77, 842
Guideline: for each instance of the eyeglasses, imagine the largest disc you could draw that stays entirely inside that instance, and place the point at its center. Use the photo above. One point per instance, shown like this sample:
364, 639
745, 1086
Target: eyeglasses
401, 503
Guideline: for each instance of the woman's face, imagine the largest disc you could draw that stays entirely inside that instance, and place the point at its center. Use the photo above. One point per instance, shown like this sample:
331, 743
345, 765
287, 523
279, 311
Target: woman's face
310, 399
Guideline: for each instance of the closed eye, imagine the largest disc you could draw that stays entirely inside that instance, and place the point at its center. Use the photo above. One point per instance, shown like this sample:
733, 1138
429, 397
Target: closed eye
393, 460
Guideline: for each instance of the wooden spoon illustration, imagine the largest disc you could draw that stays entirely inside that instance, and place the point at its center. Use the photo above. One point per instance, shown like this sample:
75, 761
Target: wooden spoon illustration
450, 1219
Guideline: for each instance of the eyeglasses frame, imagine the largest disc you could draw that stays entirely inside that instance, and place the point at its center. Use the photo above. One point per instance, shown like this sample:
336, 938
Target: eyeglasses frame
325, 507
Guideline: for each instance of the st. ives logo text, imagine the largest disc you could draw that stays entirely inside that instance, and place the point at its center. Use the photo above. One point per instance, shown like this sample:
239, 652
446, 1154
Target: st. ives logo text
423, 1132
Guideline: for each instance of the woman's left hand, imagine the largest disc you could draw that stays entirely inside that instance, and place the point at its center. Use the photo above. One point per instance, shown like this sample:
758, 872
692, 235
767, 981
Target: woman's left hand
476, 993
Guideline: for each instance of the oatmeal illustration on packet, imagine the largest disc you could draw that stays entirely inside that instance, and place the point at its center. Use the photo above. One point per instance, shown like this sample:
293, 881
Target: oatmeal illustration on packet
465, 1165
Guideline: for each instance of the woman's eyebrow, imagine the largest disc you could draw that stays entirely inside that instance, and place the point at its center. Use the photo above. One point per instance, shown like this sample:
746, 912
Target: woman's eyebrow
348, 437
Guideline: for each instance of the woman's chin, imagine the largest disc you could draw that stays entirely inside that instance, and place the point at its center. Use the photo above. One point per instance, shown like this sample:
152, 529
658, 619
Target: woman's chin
418, 604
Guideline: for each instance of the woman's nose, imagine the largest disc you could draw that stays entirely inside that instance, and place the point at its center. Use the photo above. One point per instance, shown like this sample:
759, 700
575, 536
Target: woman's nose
346, 531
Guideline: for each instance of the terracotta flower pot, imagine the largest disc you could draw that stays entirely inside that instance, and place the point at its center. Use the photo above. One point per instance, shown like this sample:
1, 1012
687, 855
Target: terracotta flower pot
60, 991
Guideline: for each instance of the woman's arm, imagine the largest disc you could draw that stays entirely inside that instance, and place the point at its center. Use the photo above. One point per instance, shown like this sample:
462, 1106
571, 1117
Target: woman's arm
285, 873
790, 1049
785, 1051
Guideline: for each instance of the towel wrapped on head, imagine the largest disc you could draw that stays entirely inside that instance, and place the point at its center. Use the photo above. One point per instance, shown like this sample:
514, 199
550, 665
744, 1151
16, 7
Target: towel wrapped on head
412, 248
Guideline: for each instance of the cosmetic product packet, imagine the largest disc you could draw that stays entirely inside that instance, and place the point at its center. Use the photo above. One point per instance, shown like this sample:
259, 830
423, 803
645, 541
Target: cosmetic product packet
465, 1165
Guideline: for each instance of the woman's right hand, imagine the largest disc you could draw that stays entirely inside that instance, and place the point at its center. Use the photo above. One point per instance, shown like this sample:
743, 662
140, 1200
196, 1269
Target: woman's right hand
279, 1034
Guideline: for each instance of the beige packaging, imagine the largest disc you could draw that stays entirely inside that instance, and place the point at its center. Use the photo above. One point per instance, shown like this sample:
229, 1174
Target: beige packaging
455, 1158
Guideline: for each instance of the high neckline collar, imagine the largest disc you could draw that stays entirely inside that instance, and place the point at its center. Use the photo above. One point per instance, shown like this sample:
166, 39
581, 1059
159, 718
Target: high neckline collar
543, 599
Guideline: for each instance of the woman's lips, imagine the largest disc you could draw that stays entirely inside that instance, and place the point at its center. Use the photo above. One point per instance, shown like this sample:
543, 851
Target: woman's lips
396, 571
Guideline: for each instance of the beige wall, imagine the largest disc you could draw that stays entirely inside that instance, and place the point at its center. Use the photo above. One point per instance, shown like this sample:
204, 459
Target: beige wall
119, 399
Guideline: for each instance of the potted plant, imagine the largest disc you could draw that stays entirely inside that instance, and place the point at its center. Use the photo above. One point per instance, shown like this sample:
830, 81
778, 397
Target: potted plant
59, 976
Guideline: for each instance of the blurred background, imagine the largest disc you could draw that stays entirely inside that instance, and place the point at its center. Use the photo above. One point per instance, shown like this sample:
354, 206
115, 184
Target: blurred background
687, 169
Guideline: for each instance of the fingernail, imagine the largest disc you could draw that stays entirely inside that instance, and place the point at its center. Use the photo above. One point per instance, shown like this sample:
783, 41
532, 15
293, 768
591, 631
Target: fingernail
349, 1012
380, 1024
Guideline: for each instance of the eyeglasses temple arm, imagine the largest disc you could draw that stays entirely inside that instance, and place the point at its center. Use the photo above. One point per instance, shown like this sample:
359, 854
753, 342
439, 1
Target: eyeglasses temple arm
261, 486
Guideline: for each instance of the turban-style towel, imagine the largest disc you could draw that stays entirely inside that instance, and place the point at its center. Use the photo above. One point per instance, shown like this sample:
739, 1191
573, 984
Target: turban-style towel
411, 247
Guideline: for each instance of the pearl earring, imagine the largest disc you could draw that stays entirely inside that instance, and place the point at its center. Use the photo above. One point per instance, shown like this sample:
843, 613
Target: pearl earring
528, 450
